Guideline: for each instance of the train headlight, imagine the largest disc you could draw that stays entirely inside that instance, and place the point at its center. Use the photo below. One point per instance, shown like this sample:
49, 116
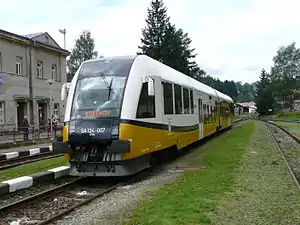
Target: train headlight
115, 130
71, 127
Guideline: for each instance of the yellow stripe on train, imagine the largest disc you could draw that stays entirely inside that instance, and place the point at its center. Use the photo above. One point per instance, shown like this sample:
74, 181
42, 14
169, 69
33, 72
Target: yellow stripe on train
146, 140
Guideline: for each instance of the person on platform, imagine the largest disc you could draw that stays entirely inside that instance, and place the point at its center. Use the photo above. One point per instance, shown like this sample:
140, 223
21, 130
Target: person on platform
25, 127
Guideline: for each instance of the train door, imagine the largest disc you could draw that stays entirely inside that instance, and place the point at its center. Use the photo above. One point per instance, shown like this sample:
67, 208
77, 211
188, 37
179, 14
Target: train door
159, 143
168, 111
228, 118
228, 112
200, 118
221, 115
224, 114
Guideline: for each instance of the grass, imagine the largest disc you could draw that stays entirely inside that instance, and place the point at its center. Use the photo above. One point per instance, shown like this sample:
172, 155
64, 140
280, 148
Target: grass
264, 192
189, 200
291, 127
31, 168
246, 183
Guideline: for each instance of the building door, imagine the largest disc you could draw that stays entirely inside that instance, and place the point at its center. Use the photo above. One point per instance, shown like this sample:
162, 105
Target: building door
21, 112
43, 120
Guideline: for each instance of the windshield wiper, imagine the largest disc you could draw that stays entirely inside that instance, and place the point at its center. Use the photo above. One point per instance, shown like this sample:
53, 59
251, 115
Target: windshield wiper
106, 83
109, 88
104, 78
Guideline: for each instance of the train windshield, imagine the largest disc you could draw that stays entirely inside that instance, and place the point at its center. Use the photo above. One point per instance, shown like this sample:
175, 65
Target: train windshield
100, 86
98, 97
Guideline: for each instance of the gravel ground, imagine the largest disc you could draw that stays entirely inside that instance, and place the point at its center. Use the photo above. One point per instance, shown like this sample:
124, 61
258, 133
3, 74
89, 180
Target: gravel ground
18, 195
290, 148
115, 206
51, 205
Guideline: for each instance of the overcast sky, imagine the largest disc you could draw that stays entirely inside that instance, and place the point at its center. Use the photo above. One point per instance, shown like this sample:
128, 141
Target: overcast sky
234, 39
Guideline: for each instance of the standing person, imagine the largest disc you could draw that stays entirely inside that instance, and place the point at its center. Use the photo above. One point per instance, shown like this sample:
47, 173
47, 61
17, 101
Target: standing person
25, 126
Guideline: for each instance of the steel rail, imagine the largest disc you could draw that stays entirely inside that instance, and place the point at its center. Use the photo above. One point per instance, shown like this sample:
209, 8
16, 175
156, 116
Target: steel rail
9, 163
281, 151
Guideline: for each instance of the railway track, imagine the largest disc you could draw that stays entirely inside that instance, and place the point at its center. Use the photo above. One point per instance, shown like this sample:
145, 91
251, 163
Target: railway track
48, 206
286, 121
290, 158
9, 163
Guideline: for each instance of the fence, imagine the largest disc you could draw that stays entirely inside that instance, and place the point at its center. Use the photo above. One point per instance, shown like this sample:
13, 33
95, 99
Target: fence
13, 134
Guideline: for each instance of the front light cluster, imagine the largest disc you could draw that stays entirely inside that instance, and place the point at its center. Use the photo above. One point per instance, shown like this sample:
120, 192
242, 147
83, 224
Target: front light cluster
71, 127
115, 130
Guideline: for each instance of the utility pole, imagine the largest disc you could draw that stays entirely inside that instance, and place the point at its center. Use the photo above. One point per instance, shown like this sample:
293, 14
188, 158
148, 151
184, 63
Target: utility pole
50, 82
63, 31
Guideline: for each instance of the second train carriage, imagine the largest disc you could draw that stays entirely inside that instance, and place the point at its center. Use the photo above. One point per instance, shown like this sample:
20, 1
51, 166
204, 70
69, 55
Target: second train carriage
119, 110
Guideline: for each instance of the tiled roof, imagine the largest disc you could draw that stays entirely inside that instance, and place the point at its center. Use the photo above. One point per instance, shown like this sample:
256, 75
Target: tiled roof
29, 37
33, 35
246, 104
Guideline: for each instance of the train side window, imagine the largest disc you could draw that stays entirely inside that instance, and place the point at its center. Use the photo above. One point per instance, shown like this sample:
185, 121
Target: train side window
168, 97
231, 107
212, 114
146, 106
208, 114
186, 101
204, 113
178, 99
192, 101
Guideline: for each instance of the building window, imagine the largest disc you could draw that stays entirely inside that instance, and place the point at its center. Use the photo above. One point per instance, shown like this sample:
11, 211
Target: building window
0, 62
186, 101
178, 99
168, 97
39, 69
19, 64
54, 72
1, 112
146, 106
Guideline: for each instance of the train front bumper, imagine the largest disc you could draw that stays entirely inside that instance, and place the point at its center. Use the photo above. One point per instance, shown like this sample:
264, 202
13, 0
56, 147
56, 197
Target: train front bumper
117, 146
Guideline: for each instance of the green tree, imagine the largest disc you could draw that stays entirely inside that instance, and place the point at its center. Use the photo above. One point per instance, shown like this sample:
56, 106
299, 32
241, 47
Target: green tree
163, 42
176, 51
245, 92
157, 22
83, 50
285, 76
227, 87
263, 97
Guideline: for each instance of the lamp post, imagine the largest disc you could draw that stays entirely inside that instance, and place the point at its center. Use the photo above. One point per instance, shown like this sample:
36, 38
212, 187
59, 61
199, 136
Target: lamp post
63, 31
50, 82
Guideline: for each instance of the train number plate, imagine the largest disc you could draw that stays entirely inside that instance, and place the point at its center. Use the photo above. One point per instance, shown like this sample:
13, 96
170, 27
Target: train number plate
92, 130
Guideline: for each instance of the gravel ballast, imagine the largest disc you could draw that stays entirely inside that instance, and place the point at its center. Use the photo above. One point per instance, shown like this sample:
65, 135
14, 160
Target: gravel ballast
115, 206
290, 148
25, 193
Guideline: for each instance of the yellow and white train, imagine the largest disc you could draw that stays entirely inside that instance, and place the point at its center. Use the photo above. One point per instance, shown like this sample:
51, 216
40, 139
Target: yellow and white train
120, 110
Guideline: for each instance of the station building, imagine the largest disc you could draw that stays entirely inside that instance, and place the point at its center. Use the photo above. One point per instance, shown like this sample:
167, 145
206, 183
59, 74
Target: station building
26, 64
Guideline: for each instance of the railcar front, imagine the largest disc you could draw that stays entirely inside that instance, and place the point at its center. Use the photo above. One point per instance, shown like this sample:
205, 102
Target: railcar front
91, 133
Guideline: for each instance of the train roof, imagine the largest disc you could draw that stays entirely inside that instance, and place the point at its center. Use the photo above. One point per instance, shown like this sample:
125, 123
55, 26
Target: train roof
169, 74
172, 75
